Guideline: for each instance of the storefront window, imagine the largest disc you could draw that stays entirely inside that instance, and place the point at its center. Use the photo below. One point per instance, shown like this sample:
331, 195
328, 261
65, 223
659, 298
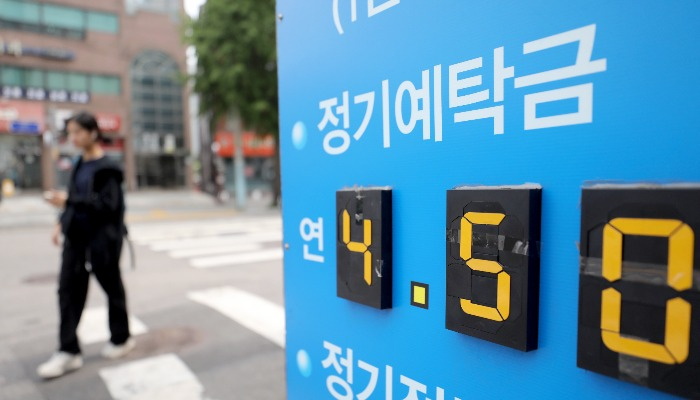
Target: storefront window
105, 84
11, 76
56, 80
157, 120
33, 78
171, 7
54, 19
103, 22
19, 11
77, 82
63, 17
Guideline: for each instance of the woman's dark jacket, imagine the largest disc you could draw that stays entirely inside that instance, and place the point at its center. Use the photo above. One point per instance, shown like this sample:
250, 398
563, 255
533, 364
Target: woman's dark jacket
104, 207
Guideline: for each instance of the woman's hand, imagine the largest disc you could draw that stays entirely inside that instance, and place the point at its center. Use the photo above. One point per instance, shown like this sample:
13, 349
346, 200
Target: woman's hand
56, 235
56, 198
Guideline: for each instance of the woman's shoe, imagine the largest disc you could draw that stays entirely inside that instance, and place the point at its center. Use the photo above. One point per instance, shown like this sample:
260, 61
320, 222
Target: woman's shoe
114, 351
59, 364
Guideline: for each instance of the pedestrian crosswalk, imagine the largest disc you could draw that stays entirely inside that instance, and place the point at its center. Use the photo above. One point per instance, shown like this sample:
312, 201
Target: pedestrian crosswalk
188, 356
207, 244
167, 376
94, 326
255, 313
161, 377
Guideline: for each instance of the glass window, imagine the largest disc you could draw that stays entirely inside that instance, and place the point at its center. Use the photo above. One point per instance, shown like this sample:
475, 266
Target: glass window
34, 78
56, 80
162, 6
168, 82
146, 96
147, 82
154, 76
167, 113
63, 17
19, 11
11, 76
103, 22
105, 84
77, 82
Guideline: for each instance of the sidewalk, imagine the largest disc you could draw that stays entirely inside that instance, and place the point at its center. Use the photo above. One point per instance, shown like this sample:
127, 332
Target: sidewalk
30, 210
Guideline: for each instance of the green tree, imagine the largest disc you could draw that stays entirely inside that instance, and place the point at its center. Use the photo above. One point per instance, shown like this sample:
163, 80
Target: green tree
237, 63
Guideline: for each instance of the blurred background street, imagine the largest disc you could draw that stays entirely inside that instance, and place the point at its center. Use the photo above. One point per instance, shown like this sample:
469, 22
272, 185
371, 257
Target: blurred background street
205, 297
198, 148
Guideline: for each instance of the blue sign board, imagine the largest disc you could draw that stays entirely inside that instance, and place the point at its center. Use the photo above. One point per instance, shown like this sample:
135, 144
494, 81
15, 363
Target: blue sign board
490, 199
24, 127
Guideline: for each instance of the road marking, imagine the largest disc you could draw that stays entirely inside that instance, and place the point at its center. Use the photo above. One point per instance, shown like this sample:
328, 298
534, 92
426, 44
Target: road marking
198, 232
94, 326
215, 250
175, 216
167, 245
161, 377
141, 233
269, 254
255, 313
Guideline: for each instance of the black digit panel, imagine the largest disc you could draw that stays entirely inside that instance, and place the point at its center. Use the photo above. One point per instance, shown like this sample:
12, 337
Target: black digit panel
364, 246
493, 264
639, 304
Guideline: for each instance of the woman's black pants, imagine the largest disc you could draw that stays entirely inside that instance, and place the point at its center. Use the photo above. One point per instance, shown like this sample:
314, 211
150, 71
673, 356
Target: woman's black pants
101, 255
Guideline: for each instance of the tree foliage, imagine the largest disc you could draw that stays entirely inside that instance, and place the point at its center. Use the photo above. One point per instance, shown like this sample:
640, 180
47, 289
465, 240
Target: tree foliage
236, 61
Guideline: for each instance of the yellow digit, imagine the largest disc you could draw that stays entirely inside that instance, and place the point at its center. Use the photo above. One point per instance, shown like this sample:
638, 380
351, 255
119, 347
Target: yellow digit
358, 247
679, 277
502, 310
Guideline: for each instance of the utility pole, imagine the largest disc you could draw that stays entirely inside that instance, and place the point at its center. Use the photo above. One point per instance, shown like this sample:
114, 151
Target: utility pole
234, 125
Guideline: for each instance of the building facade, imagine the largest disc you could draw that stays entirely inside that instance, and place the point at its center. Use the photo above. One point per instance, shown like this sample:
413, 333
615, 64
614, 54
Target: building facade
122, 60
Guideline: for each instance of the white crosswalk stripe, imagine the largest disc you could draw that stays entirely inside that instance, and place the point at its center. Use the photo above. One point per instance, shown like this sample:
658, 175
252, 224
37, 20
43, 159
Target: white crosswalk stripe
201, 242
167, 376
255, 313
161, 377
204, 251
236, 259
94, 326
207, 244
171, 230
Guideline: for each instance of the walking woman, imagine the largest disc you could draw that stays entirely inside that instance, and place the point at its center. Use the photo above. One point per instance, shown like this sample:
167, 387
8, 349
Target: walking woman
92, 224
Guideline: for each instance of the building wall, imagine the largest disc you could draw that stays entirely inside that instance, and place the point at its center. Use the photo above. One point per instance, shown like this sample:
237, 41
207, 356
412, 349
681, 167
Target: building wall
108, 53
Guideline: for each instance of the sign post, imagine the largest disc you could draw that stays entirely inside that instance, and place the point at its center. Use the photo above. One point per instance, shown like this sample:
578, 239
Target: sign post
490, 199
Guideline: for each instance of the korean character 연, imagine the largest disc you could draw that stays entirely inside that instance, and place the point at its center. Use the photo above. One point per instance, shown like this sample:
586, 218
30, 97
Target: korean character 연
311, 231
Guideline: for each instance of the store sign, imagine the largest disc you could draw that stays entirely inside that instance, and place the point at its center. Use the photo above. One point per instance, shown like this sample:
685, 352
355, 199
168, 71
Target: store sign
20, 117
254, 145
109, 122
17, 49
25, 127
447, 235
38, 94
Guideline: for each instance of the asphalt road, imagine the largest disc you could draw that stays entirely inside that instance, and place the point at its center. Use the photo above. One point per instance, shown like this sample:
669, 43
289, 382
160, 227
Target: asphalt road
206, 302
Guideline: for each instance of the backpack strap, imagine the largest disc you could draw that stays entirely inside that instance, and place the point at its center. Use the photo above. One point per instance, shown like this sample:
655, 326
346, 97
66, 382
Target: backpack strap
130, 245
